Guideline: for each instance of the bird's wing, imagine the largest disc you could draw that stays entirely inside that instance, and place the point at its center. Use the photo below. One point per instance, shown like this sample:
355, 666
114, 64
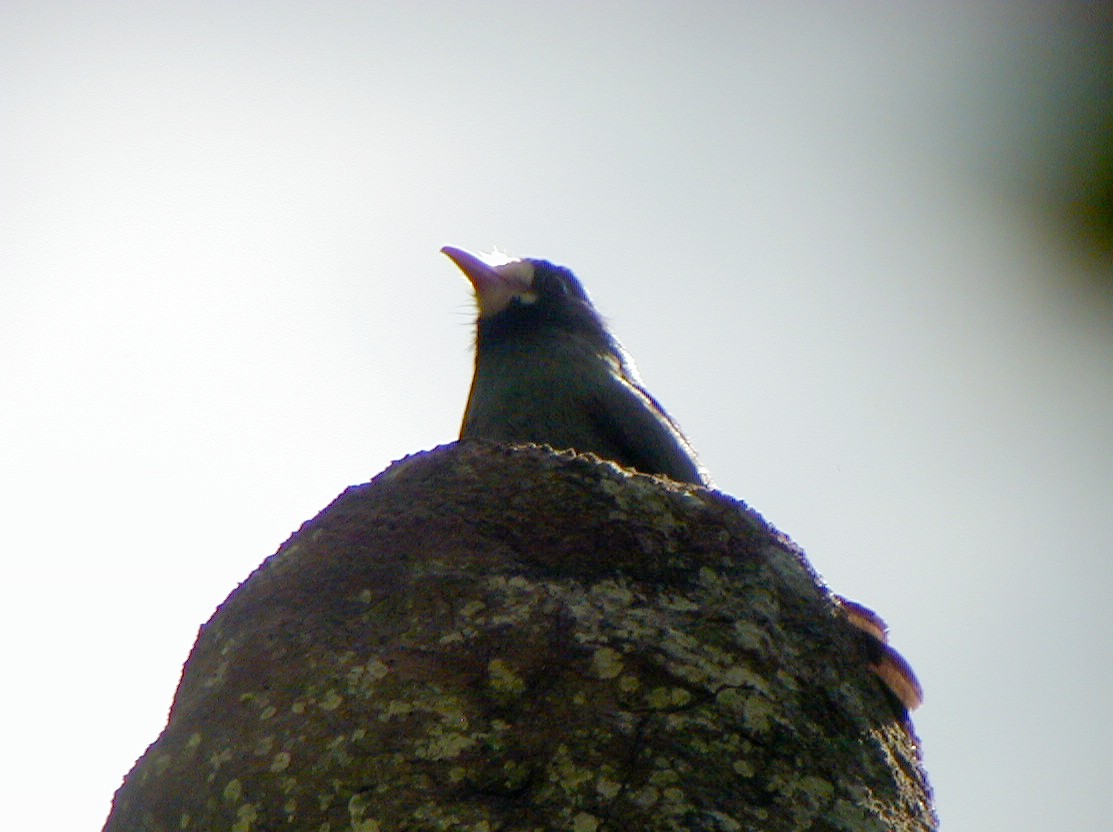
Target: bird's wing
643, 434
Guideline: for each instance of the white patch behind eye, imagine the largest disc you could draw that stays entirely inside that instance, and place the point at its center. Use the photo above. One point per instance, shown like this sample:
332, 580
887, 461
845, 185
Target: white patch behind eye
512, 279
517, 272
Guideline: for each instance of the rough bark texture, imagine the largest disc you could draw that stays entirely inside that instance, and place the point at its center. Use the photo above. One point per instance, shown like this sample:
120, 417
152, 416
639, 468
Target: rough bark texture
489, 638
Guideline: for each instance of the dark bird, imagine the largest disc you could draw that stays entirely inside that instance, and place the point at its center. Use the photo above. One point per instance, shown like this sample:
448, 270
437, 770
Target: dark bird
549, 372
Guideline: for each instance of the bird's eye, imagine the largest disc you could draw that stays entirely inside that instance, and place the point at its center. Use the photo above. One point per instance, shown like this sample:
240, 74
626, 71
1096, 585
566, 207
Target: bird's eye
551, 284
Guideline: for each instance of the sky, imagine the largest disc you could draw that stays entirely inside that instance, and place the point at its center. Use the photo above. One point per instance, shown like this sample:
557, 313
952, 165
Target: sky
816, 227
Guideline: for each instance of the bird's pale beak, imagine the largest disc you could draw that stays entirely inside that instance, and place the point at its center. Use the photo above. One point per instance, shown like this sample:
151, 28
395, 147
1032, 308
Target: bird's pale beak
481, 274
494, 285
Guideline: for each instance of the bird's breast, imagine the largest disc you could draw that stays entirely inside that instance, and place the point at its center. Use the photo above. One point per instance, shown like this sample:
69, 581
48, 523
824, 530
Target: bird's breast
541, 395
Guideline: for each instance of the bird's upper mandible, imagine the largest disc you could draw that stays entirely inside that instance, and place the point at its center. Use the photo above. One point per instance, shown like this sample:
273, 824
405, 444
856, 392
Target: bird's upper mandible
496, 283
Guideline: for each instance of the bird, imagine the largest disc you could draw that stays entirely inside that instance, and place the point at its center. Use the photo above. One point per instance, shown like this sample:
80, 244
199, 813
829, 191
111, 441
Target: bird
548, 371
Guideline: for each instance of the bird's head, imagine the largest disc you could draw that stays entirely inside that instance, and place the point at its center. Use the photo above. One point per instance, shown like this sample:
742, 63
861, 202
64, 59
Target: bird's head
525, 294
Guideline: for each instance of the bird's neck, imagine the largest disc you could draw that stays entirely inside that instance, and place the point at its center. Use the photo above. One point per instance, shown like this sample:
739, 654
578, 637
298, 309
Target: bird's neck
517, 332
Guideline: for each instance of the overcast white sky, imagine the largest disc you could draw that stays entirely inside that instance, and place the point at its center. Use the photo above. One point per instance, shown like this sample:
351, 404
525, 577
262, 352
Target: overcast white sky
221, 303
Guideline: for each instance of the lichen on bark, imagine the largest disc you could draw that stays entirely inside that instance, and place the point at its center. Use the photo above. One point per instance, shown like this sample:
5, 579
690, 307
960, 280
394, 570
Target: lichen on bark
492, 638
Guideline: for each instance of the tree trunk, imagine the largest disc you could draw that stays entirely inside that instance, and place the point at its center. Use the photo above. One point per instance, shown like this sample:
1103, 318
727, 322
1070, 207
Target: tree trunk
491, 638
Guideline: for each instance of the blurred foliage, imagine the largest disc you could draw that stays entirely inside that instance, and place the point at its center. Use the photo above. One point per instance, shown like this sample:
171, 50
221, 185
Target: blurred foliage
1074, 173
1086, 207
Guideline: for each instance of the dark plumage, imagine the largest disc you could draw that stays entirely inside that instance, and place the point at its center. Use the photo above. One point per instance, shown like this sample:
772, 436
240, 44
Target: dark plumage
548, 371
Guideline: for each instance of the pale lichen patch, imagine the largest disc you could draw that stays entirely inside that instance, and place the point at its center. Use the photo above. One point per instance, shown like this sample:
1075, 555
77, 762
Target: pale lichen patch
357, 808
395, 708
674, 796
742, 676
362, 679
219, 675
724, 821
607, 787
678, 603
233, 790
760, 603
584, 822
502, 678
665, 774
376, 669
606, 662
758, 712
445, 745
750, 636
246, 816
280, 762
629, 683
806, 796
818, 788
646, 797
220, 758
662, 698
848, 815
743, 768
472, 608
789, 681
566, 773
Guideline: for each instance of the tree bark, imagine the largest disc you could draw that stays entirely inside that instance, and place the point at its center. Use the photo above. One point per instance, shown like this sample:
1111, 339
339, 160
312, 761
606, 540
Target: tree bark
492, 638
